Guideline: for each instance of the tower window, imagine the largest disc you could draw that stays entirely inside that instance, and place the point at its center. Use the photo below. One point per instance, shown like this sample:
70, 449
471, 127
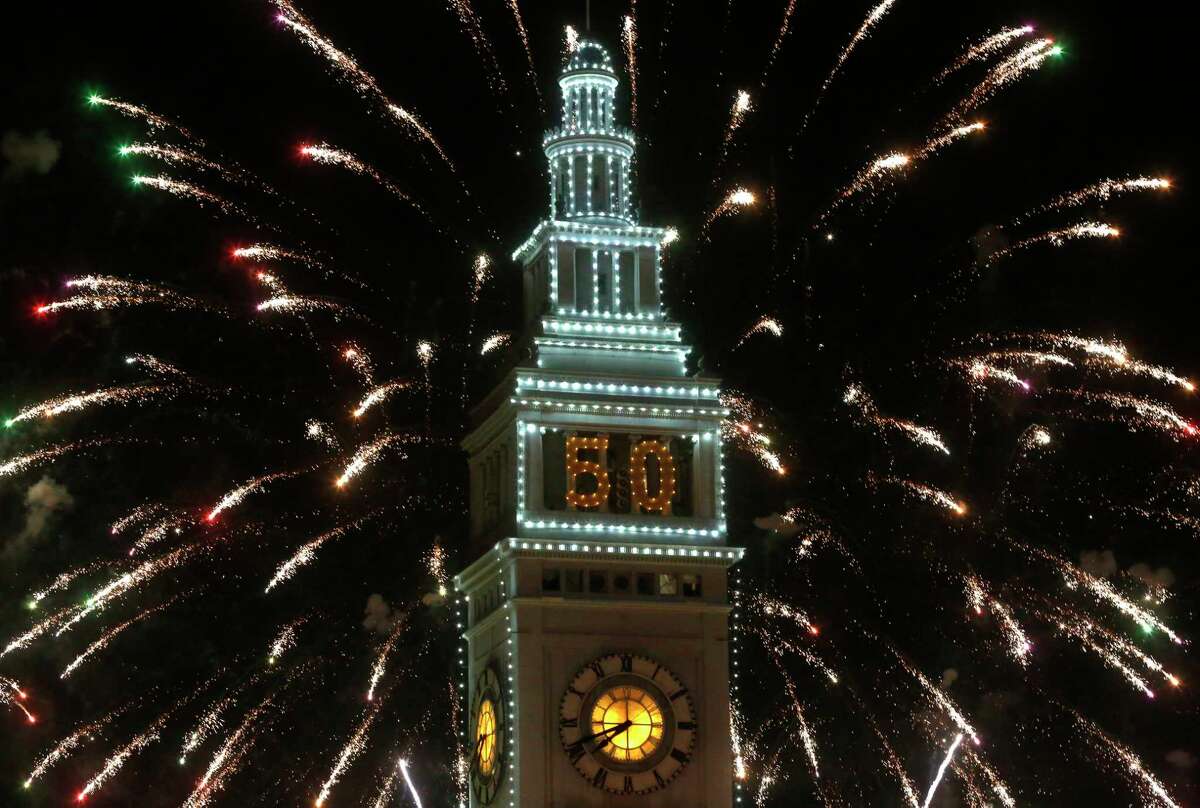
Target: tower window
645, 583
551, 580
573, 581
690, 584
581, 183
600, 185
621, 583
668, 584
597, 582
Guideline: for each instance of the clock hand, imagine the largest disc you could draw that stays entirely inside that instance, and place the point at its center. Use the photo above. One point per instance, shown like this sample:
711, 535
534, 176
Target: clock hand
611, 731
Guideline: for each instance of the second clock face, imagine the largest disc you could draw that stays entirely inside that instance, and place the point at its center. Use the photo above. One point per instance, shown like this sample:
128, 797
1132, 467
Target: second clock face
488, 735
627, 724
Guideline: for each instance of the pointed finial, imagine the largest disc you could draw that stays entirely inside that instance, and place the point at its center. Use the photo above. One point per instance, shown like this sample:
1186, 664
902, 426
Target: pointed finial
588, 14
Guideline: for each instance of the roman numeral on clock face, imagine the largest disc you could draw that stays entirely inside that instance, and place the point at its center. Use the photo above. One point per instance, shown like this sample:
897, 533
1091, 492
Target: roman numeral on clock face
628, 788
680, 755
568, 722
626, 664
597, 668
601, 777
575, 752
680, 692
687, 725
658, 778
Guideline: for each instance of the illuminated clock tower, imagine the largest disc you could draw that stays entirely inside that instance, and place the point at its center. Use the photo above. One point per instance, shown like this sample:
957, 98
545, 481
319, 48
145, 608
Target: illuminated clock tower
595, 619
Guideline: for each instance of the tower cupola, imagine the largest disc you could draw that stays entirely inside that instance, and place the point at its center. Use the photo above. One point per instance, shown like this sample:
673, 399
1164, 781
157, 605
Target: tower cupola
590, 156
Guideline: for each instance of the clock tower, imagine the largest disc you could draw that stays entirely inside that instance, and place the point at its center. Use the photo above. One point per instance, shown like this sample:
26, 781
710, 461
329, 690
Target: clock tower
595, 618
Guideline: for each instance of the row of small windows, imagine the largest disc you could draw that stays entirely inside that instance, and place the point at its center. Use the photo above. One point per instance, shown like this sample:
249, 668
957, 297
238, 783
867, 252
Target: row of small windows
604, 195
621, 584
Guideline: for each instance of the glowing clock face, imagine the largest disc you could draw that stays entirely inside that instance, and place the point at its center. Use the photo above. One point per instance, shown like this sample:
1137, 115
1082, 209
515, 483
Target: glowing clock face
627, 724
487, 737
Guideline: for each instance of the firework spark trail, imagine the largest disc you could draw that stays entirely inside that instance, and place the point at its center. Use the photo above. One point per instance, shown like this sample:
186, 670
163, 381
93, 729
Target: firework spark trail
62, 581
1102, 590
412, 789
737, 114
299, 304
1022, 357
160, 530
1116, 356
189, 190
754, 442
360, 360
984, 49
766, 325
875, 174
157, 366
380, 664
872, 19
111, 634
922, 435
629, 45
998, 786
781, 644
1147, 784
285, 640
79, 401
784, 28
378, 395
1100, 191
228, 758
274, 252
308, 551
353, 748
1024, 61
1019, 645
328, 155
937, 780
570, 43
139, 515
254, 486
1058, 238
118, 759
481, 273
493, 342
1082, 630
737, 199
927, 493
365, 455
771, 606
131, 580
806, 736
151, 119
177, 156
524, 35
55, 620
22, 463
936, 695
893, 764
436, 561
360, 80
387, 789
1146, 413
980, 373
69, 744
15, 701
102, 292
473, 28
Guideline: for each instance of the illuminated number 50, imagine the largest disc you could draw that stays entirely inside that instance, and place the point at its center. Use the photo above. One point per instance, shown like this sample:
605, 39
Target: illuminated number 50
642, 500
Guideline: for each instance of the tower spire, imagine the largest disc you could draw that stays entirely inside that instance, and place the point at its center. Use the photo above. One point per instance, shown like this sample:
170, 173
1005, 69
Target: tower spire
587, 18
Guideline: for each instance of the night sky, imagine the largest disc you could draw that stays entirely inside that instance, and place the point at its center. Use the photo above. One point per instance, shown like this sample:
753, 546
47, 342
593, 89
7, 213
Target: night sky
901, 288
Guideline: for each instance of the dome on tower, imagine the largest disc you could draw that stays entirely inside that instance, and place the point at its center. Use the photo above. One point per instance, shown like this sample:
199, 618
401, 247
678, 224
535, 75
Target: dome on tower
590, 55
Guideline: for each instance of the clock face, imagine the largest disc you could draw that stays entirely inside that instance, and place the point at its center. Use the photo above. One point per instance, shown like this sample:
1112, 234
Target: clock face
627, 724
487, 737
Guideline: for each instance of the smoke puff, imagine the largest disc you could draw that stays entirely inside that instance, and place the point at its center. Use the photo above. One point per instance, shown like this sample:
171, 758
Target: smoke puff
1162, 577
777, 524
949, 677
1181, 758
1100, 563
378, 615
29, 154
43, 499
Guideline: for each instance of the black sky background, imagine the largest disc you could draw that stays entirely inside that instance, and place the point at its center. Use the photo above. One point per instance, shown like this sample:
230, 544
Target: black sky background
1117, 104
